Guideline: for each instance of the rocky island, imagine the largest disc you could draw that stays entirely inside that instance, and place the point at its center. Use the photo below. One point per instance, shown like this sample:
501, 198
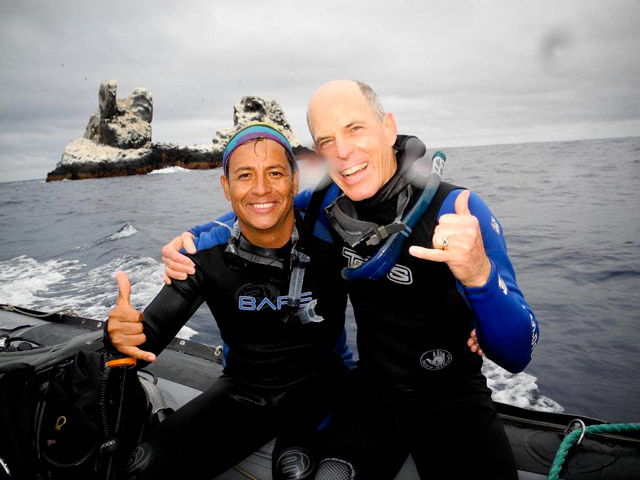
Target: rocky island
117, 140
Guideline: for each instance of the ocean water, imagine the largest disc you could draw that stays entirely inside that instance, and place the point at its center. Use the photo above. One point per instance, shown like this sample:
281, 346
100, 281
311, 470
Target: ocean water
570, 212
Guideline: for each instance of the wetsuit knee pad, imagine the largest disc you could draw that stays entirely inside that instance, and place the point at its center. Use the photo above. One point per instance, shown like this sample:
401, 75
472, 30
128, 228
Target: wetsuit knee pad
294, 464
138, 462
335, 469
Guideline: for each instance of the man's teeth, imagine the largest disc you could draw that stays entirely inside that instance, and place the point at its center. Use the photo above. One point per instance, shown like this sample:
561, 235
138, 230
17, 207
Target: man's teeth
354, 169
263, 205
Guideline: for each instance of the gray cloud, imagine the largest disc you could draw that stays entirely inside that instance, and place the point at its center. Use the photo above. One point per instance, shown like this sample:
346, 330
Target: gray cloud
456, 73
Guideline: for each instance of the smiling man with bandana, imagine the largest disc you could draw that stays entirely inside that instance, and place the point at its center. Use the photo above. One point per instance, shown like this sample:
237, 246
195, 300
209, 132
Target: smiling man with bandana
280, 315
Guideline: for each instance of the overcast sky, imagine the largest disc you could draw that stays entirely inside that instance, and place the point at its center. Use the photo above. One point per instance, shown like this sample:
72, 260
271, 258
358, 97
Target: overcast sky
454, 73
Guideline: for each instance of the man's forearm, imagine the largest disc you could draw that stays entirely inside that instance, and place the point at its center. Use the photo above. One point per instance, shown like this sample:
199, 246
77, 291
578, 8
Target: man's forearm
166, 315
506, 325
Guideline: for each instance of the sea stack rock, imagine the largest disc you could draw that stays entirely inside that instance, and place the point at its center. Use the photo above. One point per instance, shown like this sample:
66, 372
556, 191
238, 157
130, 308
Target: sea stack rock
117, 140
121, 122
255, 109
107, 99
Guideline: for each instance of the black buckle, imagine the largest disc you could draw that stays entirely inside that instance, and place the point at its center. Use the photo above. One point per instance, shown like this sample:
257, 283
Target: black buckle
385, 231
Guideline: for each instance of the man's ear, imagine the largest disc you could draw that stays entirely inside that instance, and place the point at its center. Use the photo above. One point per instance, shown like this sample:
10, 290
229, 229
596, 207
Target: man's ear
225, 186
390, 127
296, 178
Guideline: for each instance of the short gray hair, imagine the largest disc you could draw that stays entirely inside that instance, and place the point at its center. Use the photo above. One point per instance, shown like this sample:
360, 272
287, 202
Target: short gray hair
372, 100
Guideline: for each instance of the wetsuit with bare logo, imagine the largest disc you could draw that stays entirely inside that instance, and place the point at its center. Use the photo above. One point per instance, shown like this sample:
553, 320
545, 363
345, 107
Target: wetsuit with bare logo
282, 370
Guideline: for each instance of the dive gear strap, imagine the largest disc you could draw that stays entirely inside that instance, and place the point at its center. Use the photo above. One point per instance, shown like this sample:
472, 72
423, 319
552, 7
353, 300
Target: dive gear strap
344, 220
241, 247
379, 265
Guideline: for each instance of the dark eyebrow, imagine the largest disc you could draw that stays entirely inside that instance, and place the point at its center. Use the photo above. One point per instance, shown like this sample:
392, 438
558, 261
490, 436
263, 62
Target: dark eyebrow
277, 165
242, 169
346, 127
320, 139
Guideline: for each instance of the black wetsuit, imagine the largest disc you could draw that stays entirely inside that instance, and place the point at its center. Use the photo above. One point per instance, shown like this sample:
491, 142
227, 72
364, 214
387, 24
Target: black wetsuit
417, 387
280, 375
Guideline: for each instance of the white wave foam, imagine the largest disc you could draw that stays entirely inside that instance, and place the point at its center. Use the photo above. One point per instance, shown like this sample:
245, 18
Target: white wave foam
519, 389
24, 280
60, 284
124, 232
186, 333
164, 171
95, 293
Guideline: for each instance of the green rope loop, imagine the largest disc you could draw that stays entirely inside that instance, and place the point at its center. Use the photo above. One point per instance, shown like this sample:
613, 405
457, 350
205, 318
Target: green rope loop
570, 439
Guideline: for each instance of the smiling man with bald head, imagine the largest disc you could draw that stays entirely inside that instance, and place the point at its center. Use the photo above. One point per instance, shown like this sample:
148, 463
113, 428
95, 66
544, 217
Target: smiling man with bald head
417, 388
338, 113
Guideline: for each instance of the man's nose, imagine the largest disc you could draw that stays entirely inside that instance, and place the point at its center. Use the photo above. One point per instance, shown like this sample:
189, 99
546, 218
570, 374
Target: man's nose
261, 186
344, 147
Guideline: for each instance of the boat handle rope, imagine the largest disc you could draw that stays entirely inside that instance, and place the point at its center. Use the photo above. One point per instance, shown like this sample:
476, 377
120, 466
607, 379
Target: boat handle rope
62, 311
570, 440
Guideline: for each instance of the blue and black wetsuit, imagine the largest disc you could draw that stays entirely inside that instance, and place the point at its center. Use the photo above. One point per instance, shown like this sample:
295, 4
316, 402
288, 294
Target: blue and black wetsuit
280, 375
417, 388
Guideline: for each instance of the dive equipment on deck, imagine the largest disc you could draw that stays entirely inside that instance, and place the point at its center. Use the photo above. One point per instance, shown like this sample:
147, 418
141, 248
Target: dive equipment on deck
186, 368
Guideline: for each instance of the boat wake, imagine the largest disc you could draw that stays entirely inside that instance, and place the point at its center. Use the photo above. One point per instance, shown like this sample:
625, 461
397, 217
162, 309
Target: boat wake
24, 281
519, 389
56, 284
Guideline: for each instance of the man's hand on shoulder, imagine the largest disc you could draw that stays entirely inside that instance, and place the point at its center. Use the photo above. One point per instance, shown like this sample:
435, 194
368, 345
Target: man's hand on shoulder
473, 344
125, 323
457, 241
177, 265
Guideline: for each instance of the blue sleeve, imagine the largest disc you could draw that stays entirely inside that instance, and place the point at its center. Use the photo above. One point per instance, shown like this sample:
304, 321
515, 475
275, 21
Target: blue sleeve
506, 326
199, 229
302, 199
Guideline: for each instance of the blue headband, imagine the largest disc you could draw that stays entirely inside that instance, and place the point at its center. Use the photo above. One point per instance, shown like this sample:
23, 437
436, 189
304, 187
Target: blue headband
257, 130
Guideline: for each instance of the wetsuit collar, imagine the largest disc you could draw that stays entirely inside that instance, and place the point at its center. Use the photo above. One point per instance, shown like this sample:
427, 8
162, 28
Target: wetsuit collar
238, 245
343, 218
395, 194
408, 149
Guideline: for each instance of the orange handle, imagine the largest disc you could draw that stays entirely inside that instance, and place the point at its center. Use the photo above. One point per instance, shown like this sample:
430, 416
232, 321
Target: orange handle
121, 362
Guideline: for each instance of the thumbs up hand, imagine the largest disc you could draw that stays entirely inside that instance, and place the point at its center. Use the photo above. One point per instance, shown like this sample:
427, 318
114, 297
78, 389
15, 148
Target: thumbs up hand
125, 323
457, 241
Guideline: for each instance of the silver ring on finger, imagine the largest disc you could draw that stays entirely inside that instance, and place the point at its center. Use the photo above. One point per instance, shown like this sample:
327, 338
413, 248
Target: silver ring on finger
445, 242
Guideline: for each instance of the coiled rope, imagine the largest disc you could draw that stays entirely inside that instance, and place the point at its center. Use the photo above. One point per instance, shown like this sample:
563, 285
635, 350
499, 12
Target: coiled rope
570, 440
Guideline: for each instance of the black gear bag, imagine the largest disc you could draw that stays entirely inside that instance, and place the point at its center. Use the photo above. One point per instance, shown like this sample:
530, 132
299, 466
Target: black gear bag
79, 420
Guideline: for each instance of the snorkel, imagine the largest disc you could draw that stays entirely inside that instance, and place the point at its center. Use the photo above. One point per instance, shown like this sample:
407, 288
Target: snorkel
379, 265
